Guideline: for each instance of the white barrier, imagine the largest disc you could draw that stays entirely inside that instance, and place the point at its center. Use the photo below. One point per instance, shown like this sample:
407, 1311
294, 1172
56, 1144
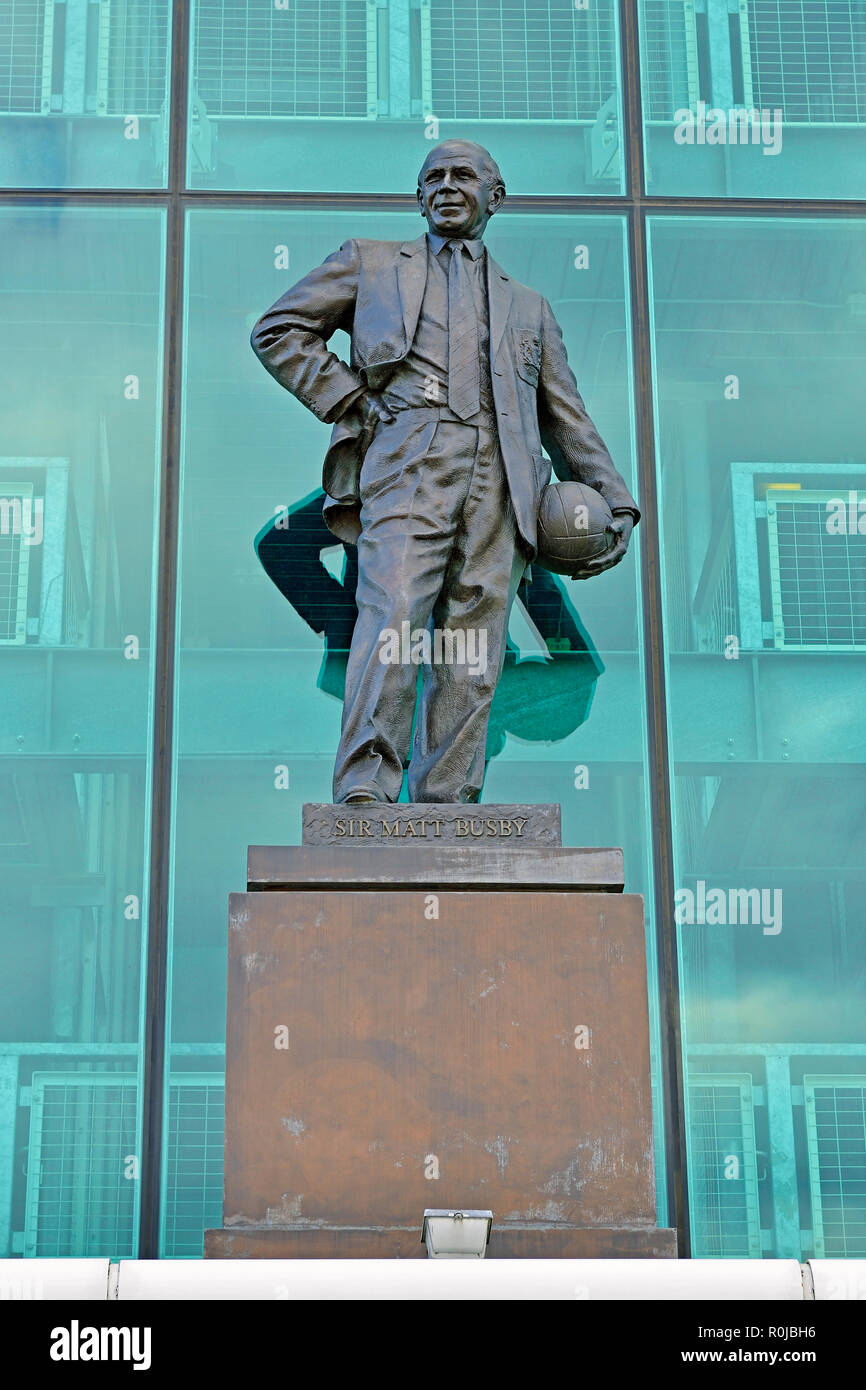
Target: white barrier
463, 1280
75, 1280
432, 1280
838, 1279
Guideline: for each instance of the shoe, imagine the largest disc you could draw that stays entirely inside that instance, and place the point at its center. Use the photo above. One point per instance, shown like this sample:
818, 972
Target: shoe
361, 797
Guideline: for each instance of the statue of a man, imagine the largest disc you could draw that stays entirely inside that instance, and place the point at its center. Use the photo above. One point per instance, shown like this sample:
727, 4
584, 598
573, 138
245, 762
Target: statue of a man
458, 377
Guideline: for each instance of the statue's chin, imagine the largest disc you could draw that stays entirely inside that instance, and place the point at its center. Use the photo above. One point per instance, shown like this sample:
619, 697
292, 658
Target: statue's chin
450, 228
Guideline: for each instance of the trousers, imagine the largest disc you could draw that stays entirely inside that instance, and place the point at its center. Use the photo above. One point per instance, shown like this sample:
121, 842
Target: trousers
439, 563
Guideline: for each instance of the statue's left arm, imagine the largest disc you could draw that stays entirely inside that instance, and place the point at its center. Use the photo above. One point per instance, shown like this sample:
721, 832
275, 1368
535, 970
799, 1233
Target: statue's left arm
575, 446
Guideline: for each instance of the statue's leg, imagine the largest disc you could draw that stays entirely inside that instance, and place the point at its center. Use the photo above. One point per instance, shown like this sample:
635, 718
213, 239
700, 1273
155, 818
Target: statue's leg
413, 486
471, 615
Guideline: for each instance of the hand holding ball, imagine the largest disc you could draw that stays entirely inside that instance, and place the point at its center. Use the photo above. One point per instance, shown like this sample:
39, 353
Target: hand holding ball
574, 525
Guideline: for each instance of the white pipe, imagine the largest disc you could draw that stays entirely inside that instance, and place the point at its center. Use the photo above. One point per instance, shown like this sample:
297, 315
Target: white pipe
838, 1279
572, 1280
465, 1280
26, 1280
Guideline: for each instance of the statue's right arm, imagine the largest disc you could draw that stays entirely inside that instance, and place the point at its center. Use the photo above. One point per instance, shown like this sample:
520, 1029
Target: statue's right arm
291, 338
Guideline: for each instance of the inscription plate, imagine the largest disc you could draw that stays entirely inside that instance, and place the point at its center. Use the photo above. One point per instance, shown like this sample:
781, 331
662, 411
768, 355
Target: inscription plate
415, 823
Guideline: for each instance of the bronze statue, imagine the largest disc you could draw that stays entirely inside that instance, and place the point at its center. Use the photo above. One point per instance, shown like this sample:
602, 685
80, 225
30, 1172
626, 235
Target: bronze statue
458, 377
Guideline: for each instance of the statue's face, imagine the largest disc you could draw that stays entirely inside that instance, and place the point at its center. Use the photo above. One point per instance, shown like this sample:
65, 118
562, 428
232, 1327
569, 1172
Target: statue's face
455, 195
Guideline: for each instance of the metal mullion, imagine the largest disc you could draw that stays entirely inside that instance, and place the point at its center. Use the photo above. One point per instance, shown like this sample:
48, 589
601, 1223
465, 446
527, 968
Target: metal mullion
659, 205
155, 1020
658, 772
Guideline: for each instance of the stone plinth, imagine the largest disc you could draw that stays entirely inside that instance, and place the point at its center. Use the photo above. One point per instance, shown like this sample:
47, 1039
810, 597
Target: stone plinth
437, 1025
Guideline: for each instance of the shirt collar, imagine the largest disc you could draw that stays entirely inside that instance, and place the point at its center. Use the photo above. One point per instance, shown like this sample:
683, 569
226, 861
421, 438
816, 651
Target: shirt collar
475, 246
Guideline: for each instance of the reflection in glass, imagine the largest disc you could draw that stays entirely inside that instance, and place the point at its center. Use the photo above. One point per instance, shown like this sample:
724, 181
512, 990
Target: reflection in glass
536, 700
760, 98
347, 94
84, 93
759, 354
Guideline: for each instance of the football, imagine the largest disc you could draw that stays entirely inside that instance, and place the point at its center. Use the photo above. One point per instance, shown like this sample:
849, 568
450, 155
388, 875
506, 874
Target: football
573, 522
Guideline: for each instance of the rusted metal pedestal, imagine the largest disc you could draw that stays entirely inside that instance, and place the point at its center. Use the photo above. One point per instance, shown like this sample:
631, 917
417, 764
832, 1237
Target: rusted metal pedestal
437, 1020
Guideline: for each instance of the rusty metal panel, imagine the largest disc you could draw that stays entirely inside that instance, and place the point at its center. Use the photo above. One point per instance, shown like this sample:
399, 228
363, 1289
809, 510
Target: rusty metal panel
538, 1242
492, 869
397, 1050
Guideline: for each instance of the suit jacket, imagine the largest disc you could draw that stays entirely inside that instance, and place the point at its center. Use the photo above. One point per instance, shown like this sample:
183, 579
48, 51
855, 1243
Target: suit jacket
373, 290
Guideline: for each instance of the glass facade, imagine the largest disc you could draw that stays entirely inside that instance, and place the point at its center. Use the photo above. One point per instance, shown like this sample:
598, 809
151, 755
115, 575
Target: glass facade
379, 78
84, 93
81, 300
754, 98
759, 347
701, 706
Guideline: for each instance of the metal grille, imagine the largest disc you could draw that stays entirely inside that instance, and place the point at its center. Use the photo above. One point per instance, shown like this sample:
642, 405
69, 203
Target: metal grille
14, 563
310, 59
132, 62
83, 1127
520, 59
194, 1168
721, 619
26, 31
836, 1139
817, 573
669, 57
79, 1200
715, 605
808, 57
723, 1181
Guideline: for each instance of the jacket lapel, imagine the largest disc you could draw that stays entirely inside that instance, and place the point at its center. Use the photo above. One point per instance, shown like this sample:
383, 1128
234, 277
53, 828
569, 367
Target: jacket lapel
499, 297
412, 279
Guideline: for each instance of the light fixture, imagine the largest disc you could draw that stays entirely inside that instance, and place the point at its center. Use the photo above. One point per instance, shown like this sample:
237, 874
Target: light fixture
456, 1235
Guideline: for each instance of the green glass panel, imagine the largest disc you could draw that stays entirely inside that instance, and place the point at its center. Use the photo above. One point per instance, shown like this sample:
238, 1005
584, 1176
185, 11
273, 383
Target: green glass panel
759, 357
754, 98
80, 356
259, 677
84, 93
347, 95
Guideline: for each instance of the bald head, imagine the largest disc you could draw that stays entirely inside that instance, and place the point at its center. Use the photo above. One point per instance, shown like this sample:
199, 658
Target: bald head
459, 189
468, 149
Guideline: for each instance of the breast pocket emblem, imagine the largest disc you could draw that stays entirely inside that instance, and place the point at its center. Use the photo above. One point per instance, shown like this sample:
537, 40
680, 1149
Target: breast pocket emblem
529, 356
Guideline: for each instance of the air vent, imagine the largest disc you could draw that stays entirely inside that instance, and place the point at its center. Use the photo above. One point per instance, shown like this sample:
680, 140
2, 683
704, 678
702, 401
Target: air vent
669, 58
723, 1175
520, 60
307, 59
808, 58
16, 510
81, 1189
836, 1138
79, 1200
132, 57
194, 1162
817, 571
26, 46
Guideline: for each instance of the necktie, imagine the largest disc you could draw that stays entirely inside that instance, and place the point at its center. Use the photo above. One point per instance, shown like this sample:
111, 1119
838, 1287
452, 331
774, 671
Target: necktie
463, 368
